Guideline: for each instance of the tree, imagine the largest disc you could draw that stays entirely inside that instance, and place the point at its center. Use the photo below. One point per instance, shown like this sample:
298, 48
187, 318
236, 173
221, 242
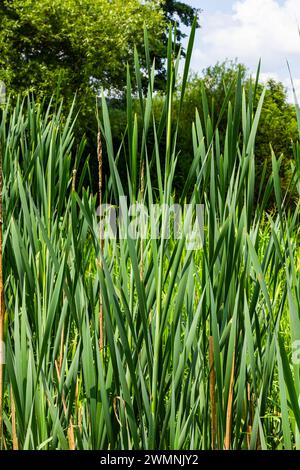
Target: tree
81, 45
277, 128
178, 14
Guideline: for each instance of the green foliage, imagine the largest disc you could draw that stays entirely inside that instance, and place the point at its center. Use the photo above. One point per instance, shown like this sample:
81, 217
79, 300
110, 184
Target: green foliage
177, 14
278, 128
278, 124
61, 48
79, 46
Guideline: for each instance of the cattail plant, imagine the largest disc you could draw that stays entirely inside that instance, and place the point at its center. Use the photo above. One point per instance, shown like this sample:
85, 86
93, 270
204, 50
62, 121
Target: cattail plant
100, 176
1, 304
147, 344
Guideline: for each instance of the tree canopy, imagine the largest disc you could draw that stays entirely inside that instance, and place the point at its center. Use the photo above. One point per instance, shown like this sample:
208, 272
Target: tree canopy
278, 123
179, 13
81, 44
78, 44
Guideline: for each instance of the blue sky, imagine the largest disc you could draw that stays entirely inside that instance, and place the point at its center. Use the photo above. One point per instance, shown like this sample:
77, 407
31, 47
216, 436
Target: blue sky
249, 30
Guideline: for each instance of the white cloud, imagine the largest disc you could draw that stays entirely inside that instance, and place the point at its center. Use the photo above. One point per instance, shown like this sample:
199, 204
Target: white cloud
254, 29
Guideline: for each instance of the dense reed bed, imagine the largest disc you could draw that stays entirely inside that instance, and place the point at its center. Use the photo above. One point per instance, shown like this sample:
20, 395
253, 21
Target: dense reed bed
146, 344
